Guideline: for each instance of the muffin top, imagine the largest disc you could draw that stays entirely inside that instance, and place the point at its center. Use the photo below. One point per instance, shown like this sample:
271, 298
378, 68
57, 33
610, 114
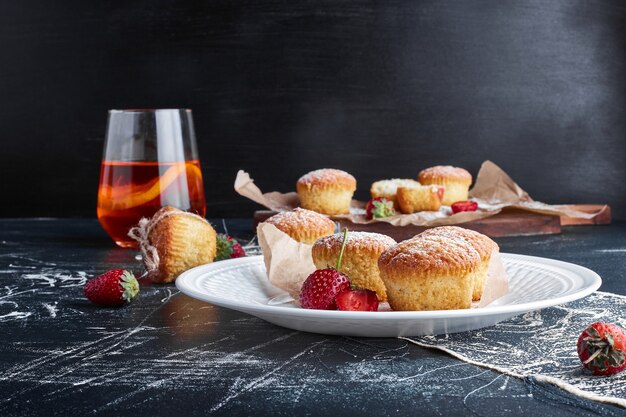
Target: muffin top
444, 172
302, 225
481, 243
430, 255
327, 178
356, 242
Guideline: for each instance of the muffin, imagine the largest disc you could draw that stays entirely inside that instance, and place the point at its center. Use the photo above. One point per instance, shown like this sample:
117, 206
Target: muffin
419, 198
303, 225
455, 180
360, 258
174, 241
388, 189
429, 273
481, 243
327, 191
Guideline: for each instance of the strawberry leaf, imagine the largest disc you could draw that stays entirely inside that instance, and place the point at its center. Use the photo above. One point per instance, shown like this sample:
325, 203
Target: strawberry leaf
224, 247
130, 285
383, 208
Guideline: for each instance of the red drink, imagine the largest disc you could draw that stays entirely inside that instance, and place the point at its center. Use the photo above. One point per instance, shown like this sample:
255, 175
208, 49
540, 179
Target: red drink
129, 191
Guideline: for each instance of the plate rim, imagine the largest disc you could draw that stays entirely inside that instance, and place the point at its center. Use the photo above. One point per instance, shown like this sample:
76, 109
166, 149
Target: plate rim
190, 275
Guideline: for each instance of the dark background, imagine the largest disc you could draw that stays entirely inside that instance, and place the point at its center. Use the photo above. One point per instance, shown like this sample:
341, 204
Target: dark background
278, 88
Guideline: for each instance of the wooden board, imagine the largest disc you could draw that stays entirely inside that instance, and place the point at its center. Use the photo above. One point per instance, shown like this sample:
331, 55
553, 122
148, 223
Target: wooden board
603, 215
510, 222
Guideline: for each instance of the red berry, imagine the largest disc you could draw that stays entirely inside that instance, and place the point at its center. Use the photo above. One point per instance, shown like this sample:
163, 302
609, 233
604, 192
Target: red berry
379, 207
320, 289
238, 251
228, 247
602, 348
113, 288
357, 300
460, 206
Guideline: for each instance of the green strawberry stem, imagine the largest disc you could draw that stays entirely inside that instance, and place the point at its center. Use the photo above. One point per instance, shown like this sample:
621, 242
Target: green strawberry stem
343, 246
603, 349
382, 209
130, 285
592, 357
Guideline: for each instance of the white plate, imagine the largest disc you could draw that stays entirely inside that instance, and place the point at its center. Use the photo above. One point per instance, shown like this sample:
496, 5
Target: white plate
241, 284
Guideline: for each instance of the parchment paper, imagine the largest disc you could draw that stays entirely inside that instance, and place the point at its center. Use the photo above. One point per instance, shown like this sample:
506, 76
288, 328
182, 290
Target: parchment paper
493, 190
287, 261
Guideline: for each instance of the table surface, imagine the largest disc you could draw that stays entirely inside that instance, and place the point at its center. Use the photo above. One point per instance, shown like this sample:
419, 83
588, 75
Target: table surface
168, 354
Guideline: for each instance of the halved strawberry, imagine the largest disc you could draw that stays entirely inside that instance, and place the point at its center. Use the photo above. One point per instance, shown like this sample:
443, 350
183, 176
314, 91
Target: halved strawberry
378, 208
357, 300
460, 206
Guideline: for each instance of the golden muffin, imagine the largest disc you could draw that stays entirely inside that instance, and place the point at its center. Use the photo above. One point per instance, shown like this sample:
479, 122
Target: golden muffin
181, 241
388, 189
303, 225
481, 243
429, 273
419, 198
327, 191
360, 258
455, 180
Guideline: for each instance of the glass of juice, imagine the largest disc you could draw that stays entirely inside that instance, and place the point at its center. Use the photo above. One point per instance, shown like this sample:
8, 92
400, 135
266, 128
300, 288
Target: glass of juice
150, 160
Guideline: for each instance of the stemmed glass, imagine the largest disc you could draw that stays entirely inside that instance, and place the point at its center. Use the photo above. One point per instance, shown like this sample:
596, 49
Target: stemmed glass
150, 160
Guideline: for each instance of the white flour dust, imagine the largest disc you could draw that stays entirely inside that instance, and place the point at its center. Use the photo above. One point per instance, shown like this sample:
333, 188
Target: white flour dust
542, 345
58, 279
52, 308
28, 275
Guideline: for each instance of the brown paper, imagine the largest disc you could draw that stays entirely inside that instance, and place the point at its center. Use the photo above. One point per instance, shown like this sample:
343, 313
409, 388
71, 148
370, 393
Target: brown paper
287, 261
493, 190
494, 186
276, 201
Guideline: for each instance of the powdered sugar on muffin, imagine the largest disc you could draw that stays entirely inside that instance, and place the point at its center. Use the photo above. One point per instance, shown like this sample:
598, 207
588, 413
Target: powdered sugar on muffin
303, 225
327, 191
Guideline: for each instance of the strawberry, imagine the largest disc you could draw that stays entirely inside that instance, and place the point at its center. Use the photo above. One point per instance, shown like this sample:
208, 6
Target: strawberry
460, 206
319, 291
113, 288
357, 300
602, 348
321, 288
228, 247
378, 208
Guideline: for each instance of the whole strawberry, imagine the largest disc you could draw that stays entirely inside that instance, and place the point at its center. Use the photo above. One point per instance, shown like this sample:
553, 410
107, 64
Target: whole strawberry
379, 207
602, 348
321, 288
228, 247
113, 288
